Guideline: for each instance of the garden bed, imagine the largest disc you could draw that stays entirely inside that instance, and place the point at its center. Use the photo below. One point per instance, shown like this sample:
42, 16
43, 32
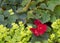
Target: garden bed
29, 21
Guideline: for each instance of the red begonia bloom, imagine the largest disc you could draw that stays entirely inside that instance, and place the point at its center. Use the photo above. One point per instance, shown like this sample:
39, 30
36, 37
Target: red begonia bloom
40, 28
35, 31
37, 22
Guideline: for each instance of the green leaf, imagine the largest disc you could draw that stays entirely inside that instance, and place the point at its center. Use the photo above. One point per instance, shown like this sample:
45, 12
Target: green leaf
33, 5
49, 29
35, 38
30, 14
1, 11
43, 6
22, 17
37, 42
57, 11
45, 16
37, 13
39, 1
24, 2
53, 18
8, 38
1, 41
1, 18
45, 41
14, 8
12, 18
39, 38
52, 4
0, 2
6, 13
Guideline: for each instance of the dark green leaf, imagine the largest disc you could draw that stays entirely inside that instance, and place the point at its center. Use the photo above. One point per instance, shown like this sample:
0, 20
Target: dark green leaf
1, 18
52, 4
12, 18
45, 16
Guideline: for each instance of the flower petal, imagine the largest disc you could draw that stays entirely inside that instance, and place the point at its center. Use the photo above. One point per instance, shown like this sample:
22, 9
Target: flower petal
37, 22
34, 31
42, 29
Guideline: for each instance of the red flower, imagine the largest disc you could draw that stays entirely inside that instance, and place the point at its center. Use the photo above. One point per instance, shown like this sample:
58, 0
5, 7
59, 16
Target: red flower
40, 29
37, 22
35, 31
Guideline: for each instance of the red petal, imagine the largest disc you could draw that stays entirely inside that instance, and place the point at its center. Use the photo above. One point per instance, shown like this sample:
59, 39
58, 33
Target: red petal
37, 22
42, 28
34, 31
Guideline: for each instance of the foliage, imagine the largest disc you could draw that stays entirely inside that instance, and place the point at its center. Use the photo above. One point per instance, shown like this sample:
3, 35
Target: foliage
55, 36
47, 11
26, 10
15, 34
40, 28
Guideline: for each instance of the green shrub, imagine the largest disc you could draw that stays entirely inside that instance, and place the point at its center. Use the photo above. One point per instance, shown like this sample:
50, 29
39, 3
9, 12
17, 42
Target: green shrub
15, 34
55, 36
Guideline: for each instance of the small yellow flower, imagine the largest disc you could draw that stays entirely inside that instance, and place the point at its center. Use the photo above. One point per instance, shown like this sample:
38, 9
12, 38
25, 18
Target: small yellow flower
58, 21
11, 12
20, 42
1, 26
28, 32
50, 41
24, 40
20, 22
54, 25
23, 33
58, 33
29, 26
14, 25
52, 36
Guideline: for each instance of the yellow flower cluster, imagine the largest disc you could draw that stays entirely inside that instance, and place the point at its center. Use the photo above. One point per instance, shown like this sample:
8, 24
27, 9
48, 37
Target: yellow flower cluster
11, 12
52, 36
56, 24
3, 31
55, 36
17, 34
